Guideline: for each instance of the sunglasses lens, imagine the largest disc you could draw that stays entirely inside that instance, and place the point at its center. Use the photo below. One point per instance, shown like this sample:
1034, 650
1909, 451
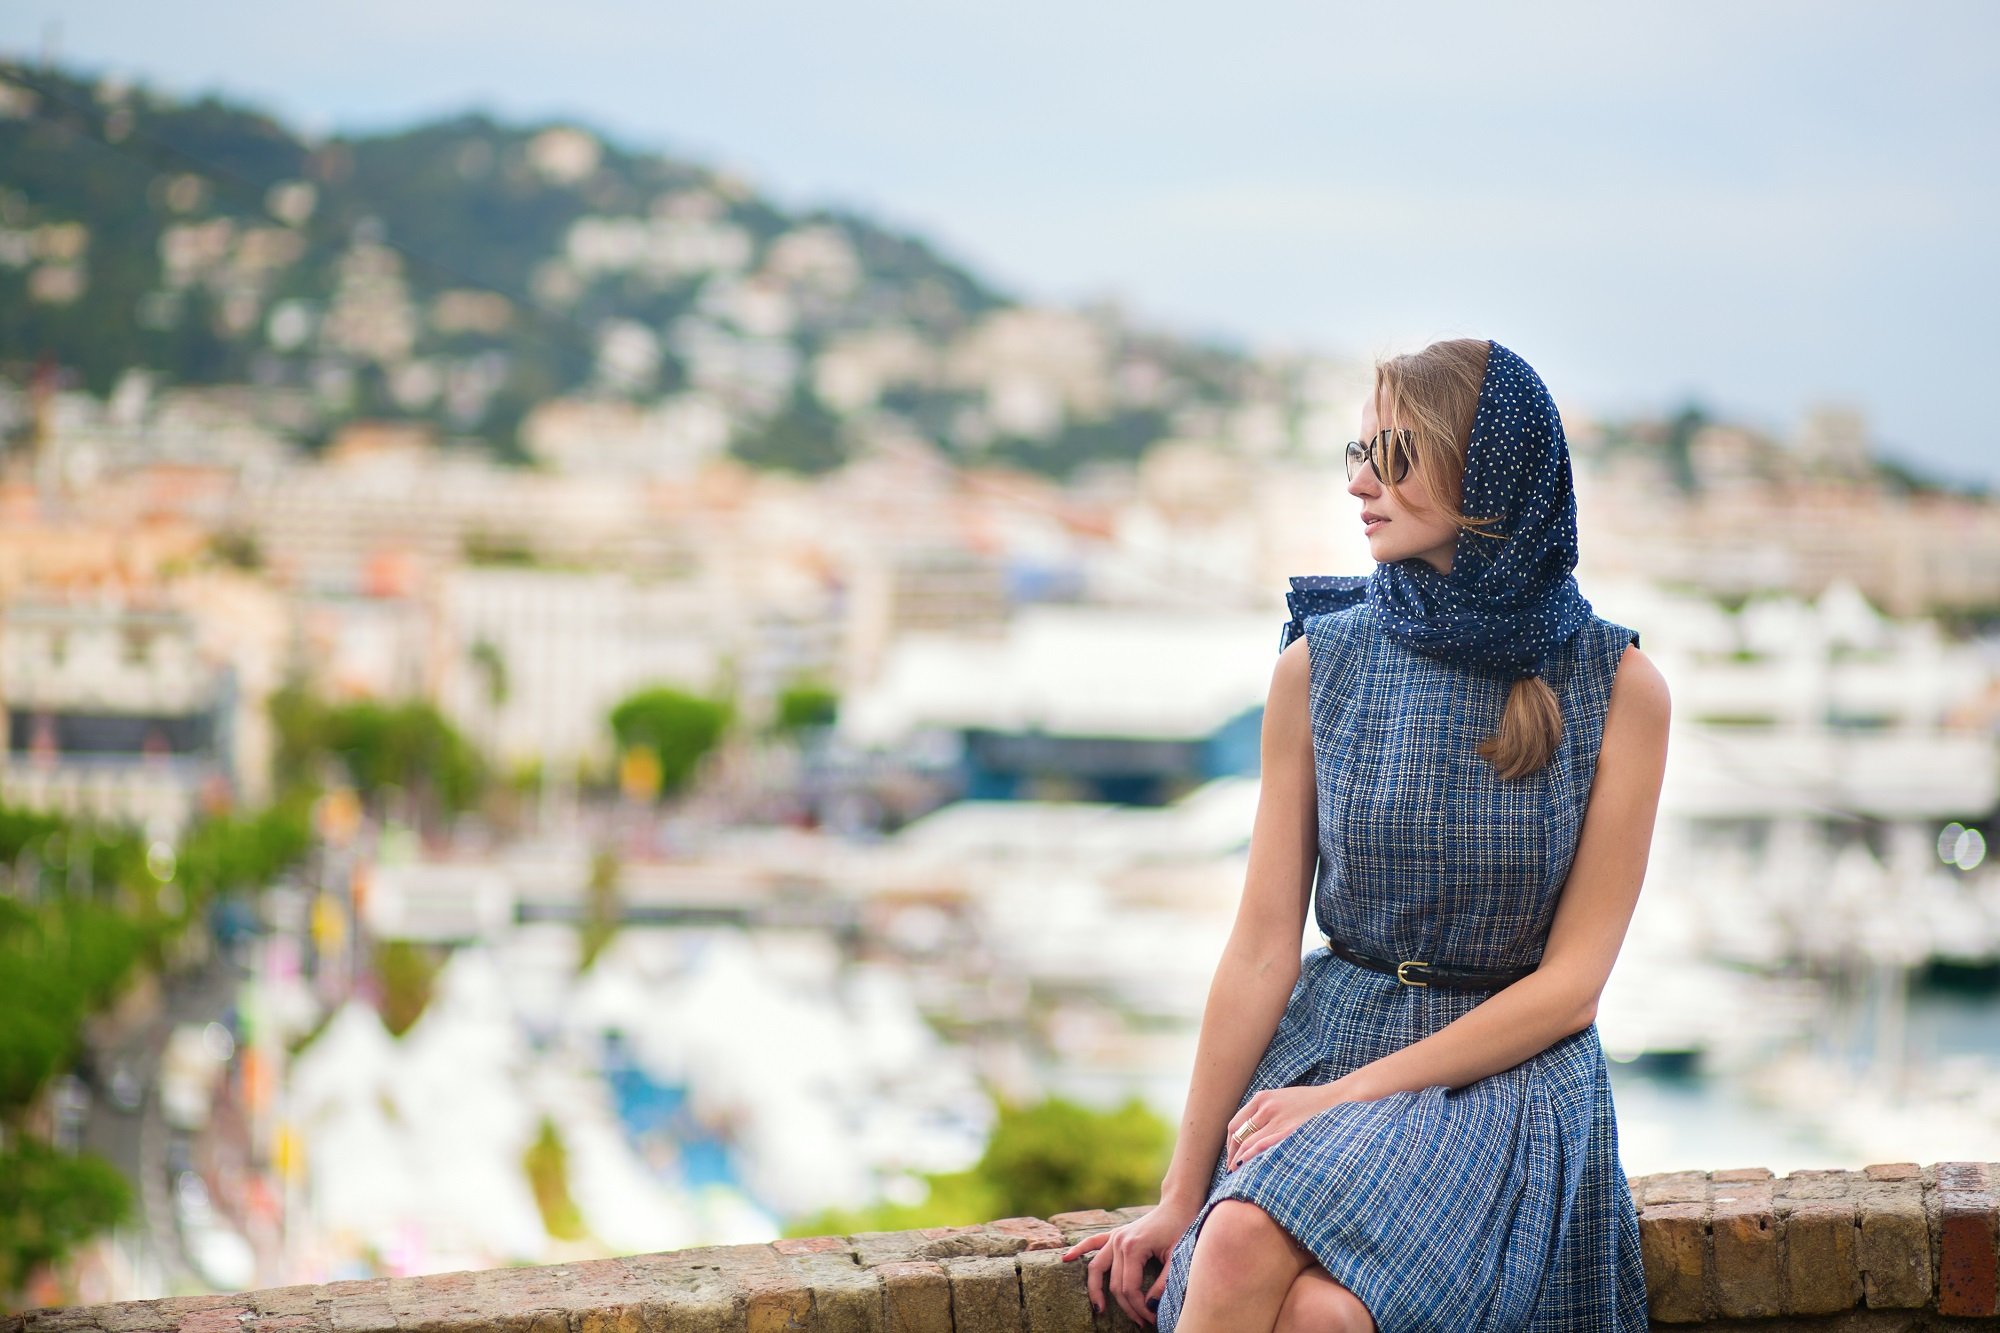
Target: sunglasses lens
1390, 450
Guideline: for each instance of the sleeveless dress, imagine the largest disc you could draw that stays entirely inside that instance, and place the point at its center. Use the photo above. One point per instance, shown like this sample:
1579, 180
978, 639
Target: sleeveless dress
1500, 1205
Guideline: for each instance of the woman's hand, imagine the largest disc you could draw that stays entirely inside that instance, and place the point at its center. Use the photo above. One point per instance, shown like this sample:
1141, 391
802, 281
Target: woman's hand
1276, 1112
1121, 1254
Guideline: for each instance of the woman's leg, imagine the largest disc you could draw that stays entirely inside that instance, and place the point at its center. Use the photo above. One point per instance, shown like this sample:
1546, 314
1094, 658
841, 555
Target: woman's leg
1318, 1304
1242, 1271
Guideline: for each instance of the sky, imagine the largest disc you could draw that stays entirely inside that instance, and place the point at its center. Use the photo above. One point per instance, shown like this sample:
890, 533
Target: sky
1760, 206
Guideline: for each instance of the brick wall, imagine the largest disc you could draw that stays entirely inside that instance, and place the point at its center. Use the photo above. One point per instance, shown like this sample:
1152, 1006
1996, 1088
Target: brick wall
1896, 1247
1723, 1246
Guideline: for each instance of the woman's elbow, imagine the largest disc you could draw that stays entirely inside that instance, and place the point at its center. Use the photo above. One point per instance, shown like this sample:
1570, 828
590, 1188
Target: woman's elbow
1573, 1003
1582, 1011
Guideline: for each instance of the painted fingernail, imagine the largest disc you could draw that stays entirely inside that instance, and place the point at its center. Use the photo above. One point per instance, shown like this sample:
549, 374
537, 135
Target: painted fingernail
1153, 1304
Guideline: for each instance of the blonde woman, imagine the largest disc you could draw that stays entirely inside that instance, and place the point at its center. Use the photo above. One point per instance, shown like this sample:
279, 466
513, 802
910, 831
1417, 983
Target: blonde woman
1411, 1128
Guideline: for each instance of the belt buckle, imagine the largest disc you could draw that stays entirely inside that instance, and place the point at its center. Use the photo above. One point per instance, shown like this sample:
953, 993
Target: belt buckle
1411, 962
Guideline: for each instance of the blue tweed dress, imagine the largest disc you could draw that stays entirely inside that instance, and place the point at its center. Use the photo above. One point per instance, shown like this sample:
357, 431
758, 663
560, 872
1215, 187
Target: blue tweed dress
1500, 1205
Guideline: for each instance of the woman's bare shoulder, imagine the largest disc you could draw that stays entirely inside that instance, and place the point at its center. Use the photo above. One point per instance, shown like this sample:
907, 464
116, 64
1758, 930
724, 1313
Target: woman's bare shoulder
1640, 701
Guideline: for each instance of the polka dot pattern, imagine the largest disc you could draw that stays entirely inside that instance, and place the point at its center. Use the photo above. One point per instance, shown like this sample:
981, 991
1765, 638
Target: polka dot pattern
1506, 605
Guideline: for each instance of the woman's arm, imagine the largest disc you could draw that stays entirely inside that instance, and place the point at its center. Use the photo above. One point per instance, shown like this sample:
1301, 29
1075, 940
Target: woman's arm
1560, 996
1260, 963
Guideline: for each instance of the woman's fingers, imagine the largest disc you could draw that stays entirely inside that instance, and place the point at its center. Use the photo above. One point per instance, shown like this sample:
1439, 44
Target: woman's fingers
1154, 1292
1094, 1275
1125, 1283
1263, 1139
1251, 1113
1086, 1245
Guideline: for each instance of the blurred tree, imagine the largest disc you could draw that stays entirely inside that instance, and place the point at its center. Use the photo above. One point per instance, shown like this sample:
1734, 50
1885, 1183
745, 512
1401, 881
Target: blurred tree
237, 548
805, 703
1682, 427
62, 960
547, 1165
407, 971
492, 667
1052, 1157
804, 437
50, 1202
408, 745
91, 905
601, 906
227, 852
1056, 1156
1123, 436
678, 727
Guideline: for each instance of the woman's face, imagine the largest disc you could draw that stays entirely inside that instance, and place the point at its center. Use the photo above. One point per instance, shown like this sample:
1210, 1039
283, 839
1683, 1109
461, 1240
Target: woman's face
1397, 531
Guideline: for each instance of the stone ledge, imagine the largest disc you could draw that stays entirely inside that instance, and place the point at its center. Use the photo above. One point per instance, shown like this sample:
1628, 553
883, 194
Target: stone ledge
1893, 1248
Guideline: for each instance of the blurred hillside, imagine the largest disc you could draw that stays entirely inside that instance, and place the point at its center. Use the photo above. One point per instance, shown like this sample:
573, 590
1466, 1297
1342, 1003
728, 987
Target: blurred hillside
461, 272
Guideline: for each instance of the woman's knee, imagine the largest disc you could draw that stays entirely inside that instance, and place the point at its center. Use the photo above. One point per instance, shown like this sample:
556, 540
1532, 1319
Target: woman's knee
1318, 1304
1240, 1240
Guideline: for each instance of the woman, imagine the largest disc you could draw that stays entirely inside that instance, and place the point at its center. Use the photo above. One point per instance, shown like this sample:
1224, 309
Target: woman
1423, 1134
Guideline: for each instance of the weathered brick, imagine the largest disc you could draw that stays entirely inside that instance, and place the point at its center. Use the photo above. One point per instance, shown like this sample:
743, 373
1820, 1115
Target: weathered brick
1737, 1175
1038, 1234
774, 1293
594, 1283
59, 1319
355, 1314
1886, 1171
525, 1290
1821, 1273
225, 1319
703, 1298
880, 1247
1894, 1252
1089, 1219
1807, 1186
444, 1303
613, 1318
1743, 1228
1968, 1225
1674, 1245
846, 1298
985, 1294
1134, 1212
1674, 1187
162, 1315
916, 1295
812, 1245
305, 1298
1055, 1295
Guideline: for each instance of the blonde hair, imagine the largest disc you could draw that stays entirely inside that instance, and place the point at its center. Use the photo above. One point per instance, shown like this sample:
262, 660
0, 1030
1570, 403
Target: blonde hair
1434, 395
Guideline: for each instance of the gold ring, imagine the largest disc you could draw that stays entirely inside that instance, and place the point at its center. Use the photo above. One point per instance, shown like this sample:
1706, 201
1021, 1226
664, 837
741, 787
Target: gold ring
1248, 1125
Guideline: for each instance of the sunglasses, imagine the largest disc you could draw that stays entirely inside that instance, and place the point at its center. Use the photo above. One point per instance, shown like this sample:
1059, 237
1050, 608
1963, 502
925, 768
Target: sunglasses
1389, 452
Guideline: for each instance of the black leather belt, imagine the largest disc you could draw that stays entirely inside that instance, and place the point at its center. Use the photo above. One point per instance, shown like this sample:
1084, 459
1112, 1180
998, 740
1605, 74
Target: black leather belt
1415, 972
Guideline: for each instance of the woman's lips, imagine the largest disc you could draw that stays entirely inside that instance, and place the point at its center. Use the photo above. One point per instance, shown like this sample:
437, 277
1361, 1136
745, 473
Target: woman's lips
1368, 526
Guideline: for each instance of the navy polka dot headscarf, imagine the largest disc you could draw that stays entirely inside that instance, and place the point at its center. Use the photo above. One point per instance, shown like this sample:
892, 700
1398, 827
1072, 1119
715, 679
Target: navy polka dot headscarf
1505, 605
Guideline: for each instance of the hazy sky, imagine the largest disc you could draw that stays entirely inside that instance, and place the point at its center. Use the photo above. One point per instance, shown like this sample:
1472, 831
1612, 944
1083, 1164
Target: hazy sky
1761, 205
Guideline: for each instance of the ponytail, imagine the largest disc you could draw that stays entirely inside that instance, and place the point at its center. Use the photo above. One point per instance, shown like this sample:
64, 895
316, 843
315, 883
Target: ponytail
1530, 730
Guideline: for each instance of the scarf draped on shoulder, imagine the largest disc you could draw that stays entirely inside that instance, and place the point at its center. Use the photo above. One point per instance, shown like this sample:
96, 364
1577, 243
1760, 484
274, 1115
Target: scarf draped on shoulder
1506, 605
